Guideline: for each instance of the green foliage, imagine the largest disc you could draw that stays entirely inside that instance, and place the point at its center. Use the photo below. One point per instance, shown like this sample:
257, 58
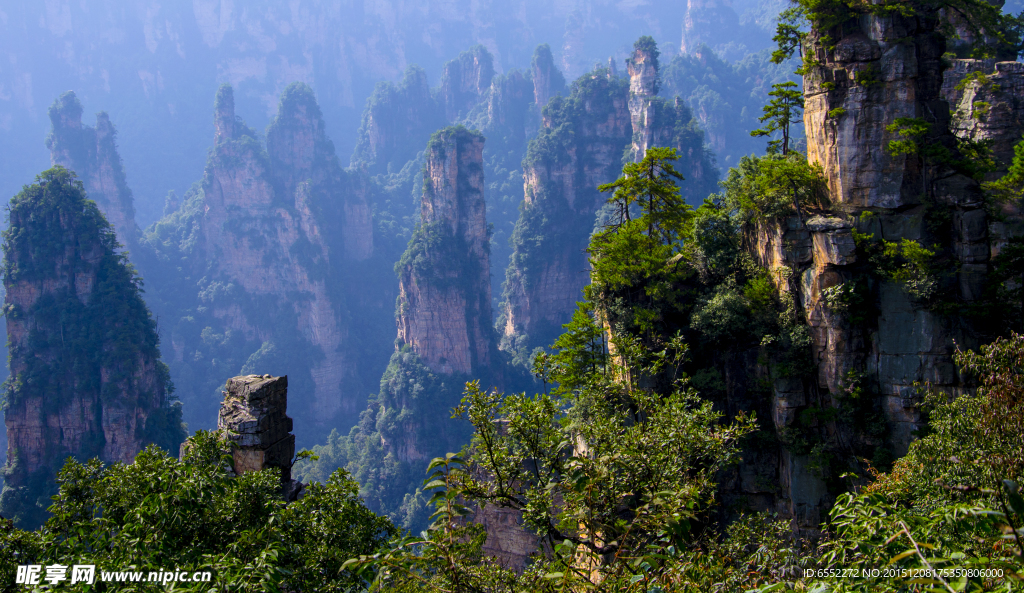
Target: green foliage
195, 514
646, 45
1010, 187
92, 346
781, 112
632, 257
773, 186
905, 262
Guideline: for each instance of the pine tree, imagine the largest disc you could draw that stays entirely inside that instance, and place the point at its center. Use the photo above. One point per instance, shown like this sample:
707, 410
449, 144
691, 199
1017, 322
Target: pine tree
780, 113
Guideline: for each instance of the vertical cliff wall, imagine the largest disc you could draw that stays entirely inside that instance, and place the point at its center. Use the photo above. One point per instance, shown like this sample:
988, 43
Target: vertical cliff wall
267, 236
91, 152
444, 302
547, 79
445, 336
667, 123
876, 333
582, 144
579, 147
86, 377
465, 80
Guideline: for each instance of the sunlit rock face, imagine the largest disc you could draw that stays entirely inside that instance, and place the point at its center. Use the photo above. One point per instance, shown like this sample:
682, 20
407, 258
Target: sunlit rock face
444, 310
890, 340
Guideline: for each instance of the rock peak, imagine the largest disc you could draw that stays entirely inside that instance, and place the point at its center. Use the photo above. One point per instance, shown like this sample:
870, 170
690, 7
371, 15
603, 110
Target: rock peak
224, 114
92, 154
444, 289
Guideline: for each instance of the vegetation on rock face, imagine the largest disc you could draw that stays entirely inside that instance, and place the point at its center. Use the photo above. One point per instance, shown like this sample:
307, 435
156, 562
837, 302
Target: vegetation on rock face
88, 343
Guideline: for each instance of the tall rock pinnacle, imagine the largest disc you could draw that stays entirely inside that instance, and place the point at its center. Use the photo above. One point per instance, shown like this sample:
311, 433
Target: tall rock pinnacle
86, 376
92, 154
444, 301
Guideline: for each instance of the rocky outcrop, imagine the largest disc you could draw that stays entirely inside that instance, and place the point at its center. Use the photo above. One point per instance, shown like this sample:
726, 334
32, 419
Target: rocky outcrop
270, 234
643, 86
397, 120
990, 106
658, 122
86, 370
580, 147
444, 296
871, 335
253, 417
445, 336
547, 79
465, 80
91, 152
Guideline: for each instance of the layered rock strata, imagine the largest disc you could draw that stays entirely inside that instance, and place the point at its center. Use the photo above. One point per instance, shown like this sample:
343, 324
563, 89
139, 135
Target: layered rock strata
880, 69
91, 152
444, 293
87, 380
253, 417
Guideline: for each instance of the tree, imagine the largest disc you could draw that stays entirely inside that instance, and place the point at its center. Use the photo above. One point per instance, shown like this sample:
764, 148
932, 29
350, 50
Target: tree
197, 515
632, 255
768, 187
780, 113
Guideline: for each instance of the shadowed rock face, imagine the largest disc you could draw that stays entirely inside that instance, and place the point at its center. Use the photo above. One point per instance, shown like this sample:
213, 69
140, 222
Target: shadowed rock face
464, 81
254, 418
259, 210
444, 302
87, 379
92, 154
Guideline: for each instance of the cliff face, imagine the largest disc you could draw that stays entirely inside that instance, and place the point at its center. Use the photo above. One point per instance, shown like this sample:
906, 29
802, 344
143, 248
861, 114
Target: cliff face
445, 298
547, 80
580, 147
464, 81
267, 234
658, 122
990, 107
92, 154
445, 338
884, 337
86, 370
397, 119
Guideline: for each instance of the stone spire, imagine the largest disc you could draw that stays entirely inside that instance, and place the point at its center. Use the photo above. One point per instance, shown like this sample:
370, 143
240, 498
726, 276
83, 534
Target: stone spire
445, 296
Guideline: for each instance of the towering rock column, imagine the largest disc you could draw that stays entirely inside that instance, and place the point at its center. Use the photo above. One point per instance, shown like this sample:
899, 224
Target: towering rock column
444, 310
261, 235
643, 87
92, 154
464, 81
86, 376
547, 79
253, 417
